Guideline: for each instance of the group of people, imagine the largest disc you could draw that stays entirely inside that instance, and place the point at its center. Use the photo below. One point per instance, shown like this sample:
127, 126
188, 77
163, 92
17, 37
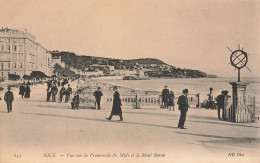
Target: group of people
25, 90
168, 98
222, 102
52, 91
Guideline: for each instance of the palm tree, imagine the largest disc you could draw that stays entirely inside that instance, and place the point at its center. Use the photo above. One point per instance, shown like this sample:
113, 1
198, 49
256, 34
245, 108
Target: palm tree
57, 69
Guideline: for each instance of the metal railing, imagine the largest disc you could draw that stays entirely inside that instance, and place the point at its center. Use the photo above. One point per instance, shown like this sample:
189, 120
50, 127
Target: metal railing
244, 112
134, 101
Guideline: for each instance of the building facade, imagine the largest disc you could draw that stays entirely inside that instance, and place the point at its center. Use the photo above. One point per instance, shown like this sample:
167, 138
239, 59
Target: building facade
20, 54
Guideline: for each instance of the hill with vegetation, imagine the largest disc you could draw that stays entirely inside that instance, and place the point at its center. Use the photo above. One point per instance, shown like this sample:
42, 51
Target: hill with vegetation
152, 67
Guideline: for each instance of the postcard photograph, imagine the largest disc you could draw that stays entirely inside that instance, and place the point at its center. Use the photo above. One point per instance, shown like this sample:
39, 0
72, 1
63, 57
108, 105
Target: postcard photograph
129, 81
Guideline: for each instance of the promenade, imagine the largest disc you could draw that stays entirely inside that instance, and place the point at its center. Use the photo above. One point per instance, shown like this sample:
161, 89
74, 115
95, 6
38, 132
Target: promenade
37, 130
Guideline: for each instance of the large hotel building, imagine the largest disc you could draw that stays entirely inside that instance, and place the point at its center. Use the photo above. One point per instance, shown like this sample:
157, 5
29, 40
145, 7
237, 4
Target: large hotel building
20, 54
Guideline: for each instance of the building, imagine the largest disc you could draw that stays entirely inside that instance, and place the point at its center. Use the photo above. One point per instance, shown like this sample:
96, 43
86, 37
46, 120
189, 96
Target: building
20, 54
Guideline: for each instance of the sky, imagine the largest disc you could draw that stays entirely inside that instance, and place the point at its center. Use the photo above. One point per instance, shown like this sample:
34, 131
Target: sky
191, 34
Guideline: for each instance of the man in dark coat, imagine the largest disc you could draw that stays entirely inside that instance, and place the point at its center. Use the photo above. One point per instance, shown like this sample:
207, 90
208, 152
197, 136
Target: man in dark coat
220, 104
116, 109
27, 91
165, 96
21, 90
68, 93
62, 92
183, 107
48, 93
54, 91
98, 95
9, 98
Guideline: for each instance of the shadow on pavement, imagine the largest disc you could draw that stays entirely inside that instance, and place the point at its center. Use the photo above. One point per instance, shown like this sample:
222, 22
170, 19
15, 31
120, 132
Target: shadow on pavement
253, 142
100, 120
223, 123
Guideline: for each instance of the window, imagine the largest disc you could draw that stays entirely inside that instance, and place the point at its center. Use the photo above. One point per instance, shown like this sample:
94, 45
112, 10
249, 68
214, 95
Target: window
2, 48
14, 48
8, 48
21, 65
14, 65
7, 39
8, 65
2, 66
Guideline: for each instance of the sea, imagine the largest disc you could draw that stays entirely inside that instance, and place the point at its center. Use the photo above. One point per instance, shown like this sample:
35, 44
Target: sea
195, 85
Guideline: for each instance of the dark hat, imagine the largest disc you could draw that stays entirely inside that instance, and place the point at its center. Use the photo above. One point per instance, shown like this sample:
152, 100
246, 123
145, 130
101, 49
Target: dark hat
98, 88
185, 91
8, 87
211, 88
225, 92
115, 87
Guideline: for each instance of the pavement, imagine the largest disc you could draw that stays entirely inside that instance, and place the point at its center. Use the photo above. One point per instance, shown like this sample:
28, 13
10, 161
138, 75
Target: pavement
40, 131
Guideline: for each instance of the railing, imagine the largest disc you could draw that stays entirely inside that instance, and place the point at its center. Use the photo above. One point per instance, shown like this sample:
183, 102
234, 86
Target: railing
244, 112
134, 101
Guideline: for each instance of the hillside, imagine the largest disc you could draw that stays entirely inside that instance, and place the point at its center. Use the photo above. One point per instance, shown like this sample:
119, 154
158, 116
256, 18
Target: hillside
154, 67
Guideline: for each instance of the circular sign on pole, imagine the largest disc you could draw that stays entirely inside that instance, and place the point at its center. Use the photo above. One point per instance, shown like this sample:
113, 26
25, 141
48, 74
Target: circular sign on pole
239, 59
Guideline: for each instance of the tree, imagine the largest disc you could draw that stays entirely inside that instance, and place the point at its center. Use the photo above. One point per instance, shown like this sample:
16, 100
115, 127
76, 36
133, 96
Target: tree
13, 77
57, 69
38, 75
26, 77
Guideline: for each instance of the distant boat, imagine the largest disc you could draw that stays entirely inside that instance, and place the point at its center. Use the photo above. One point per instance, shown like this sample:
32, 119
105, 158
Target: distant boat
136, 78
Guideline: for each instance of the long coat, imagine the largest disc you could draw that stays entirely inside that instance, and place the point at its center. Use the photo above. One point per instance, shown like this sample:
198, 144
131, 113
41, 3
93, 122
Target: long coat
21, 90
165, 95
27, 92
116, 109
9, 97
183, 103
171, 99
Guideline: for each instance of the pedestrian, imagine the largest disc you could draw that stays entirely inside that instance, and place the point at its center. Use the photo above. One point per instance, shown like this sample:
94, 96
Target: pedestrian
21, 90
165, 96
183, 107
54, 91
116, 108
220, 104
48, 93
98, 93
211, 103
68, 93
9, 98
75, 101
62, 92
171, 100
226, 96
27, 91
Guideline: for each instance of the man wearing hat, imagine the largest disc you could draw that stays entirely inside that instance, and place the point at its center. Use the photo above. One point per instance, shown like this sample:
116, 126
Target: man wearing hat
183, 107
116, 108
98, 95
68, 93
220, 104
165, 96
211, 103
9, 98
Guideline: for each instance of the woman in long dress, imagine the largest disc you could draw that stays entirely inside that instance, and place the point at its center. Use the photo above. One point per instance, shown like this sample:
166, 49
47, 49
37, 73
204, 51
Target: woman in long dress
27, 91
171, 100
116, 109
